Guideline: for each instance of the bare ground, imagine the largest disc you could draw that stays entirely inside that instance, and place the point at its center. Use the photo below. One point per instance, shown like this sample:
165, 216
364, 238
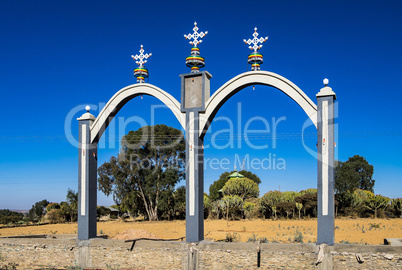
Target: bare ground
361, 231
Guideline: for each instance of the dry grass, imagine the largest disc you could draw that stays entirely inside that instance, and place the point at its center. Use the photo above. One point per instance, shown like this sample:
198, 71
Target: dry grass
360, 231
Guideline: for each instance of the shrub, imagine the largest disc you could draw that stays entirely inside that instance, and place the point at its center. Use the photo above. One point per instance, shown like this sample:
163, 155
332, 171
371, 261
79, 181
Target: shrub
232, 237
298, 237
53, 216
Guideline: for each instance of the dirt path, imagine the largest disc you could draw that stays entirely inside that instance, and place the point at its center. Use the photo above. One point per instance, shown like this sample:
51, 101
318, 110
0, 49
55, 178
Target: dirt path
370, 231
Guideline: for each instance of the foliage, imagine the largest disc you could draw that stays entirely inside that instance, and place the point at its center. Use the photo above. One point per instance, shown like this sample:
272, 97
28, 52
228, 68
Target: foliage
232, 237
180, 202
37, 210
72, 200
251, 176
102, 211
7, 216
207, 205
376, 201
396, 205
166, 204
268, 201
355, 173
309, 202
230, 204
242, 187
359, 197
216, 186
51, 206
248, 208
286, 208
53, 216
308, 191
299, 206
150, 162
298, 237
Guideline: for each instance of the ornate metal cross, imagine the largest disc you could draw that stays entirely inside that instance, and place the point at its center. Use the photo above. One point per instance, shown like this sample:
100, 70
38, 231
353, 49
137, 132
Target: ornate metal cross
142, 57
255, 41
195, 36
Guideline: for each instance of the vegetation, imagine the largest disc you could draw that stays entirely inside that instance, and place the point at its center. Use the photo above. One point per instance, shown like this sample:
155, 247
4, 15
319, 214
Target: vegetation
142, 180
149, 165
7, 216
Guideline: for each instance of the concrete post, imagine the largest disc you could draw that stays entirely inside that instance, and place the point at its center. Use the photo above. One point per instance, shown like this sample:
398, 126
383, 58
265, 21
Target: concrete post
325, 168
194, 180
195, 91
87, 182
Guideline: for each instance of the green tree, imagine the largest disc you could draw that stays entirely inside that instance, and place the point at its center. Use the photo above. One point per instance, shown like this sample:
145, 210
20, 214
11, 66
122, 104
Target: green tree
166, 204
248, 208
309, 202
51, 206
151, 161
299, 207
7, 216
269, 201
216, 186
243, 187
396, 205
376, 202
207, 205
251, 176
180, 202
37, 210
286, 207
72, 200
355, 173
230, 204
65, 211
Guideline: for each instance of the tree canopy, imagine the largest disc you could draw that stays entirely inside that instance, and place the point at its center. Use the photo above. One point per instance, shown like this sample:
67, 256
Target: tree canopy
150, 162
355, 173
37, 210
242, 187
216, 186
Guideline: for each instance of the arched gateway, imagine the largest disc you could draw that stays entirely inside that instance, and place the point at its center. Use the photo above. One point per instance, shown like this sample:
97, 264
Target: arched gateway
195, 112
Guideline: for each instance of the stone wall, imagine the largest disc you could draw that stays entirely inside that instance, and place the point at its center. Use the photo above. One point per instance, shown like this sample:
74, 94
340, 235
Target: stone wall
65, 252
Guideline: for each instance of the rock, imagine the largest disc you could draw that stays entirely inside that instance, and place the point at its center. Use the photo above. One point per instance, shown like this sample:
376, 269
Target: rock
359, 258
388, 256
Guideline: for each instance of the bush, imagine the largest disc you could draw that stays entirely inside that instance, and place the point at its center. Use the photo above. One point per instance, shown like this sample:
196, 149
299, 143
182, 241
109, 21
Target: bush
298, 237
53, 216
232, 237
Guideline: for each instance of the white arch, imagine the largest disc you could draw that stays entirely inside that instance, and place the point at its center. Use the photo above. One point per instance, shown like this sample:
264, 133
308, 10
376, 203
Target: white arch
243, 80
126, 94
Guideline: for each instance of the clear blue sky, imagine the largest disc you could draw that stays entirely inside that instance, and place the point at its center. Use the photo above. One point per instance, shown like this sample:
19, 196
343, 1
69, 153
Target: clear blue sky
57, 55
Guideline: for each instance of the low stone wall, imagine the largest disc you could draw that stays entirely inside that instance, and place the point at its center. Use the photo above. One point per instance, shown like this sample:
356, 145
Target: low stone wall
67, 252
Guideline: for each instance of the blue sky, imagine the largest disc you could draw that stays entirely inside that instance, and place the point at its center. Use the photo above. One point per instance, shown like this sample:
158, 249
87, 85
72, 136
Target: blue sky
57, 55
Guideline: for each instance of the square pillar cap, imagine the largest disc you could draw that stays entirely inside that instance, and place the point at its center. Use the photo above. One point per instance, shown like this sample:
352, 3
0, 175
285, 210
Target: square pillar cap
86, 116
326, 91
209, 76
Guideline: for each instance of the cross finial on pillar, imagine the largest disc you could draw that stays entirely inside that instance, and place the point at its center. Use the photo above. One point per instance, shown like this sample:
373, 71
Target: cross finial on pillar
255, 58
141, 72
195, 61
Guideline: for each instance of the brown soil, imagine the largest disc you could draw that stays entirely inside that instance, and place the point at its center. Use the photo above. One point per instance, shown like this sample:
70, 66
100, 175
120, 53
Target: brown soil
134, 234
361, 231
